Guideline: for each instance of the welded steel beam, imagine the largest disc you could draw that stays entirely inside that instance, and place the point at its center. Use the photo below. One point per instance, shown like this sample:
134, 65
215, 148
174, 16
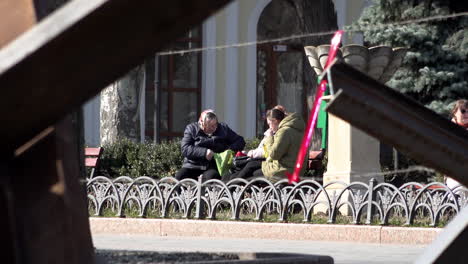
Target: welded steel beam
421, 133
399, 121
75, 52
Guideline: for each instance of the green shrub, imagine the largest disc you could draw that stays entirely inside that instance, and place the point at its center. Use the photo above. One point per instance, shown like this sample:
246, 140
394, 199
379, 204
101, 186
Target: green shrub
129, 158
252, 143
113, 158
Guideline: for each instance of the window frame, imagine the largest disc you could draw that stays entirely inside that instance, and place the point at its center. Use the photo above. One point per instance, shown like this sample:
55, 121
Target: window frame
170, 89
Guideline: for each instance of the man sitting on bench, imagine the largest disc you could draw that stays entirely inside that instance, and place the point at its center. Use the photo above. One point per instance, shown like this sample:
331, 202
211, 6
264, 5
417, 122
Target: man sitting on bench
201, 140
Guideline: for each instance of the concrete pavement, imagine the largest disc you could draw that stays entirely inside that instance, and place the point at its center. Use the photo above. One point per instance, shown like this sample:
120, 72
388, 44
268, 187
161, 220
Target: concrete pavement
346, 244
342, 252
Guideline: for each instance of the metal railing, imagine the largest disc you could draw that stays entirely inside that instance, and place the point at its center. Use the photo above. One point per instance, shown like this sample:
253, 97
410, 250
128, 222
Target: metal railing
259, 197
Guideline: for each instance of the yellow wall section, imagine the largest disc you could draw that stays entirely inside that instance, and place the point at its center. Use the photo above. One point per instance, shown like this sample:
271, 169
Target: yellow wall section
352, 12
220, 64
245, 10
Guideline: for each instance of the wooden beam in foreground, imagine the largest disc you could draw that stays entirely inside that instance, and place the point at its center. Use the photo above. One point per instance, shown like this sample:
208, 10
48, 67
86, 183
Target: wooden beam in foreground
75, 52
47, 73
17, 16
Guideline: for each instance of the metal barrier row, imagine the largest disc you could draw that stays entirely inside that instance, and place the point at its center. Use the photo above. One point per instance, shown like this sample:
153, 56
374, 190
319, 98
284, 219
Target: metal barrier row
361, 203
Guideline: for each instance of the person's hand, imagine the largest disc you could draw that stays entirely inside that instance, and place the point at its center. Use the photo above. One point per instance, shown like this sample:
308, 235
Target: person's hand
209, 154
268, 133
250, 153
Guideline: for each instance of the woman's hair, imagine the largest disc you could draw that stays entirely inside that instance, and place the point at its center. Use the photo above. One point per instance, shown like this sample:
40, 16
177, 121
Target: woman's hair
457, 105
281, 108
276, 114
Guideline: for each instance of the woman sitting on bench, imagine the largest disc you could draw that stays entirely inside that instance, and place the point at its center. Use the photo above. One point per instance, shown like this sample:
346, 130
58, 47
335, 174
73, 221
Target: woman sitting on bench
254, 158
281, 144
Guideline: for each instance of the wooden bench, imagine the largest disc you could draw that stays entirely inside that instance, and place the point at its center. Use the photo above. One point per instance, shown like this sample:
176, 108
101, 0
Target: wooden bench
432, 187
315, 164
315, 159
92, 157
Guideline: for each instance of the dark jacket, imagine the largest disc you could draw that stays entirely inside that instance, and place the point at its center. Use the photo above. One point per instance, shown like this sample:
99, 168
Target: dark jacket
195, 143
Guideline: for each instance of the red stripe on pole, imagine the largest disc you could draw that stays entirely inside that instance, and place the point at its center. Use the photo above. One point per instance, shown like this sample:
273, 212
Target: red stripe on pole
312, 122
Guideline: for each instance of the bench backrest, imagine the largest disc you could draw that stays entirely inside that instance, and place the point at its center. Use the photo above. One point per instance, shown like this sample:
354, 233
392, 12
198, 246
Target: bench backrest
92, 156
315, 159
432, 187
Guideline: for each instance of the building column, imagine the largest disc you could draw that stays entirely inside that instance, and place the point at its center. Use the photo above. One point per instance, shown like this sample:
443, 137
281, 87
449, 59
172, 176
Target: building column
208, 96
232, 67
351, 153
352, 156
251, 69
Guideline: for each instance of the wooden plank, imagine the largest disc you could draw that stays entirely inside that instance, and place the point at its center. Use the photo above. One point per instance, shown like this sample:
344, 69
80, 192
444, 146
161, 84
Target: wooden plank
17, 16
93, 151
49, 203
91, 162
48, 72
78, 50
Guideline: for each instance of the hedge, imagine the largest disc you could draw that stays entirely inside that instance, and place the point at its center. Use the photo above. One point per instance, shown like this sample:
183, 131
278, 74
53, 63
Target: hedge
128, 158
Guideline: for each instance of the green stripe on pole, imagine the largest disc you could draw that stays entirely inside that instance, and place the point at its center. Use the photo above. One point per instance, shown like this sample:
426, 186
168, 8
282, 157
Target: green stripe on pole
322, 121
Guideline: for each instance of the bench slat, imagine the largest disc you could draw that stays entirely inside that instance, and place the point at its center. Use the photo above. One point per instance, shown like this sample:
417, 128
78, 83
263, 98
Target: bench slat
93, 151
314, 154
91, 162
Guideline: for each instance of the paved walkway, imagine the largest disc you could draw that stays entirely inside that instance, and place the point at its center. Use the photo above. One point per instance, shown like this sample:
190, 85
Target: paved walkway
342, 252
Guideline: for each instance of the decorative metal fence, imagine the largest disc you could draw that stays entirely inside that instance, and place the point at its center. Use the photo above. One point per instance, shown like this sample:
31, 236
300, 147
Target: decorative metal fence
362, 203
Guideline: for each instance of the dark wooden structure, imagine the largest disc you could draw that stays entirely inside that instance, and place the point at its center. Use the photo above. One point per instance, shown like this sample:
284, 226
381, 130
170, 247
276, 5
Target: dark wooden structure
47, 73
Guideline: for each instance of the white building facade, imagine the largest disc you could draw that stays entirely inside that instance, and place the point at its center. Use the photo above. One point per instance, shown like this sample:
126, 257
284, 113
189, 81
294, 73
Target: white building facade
224, 79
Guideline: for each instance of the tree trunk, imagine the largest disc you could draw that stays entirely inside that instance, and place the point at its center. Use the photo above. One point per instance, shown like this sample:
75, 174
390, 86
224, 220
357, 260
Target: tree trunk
316, 16
120, 103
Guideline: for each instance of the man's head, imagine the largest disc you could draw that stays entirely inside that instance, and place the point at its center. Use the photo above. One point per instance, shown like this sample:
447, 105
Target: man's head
208, 122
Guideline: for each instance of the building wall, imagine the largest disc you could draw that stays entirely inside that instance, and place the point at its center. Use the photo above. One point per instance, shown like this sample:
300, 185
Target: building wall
236, 67
209, 64
91, 119
249, 64
229, 75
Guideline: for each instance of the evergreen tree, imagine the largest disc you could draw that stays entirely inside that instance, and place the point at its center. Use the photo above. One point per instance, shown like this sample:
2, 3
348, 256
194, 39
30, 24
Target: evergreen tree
435, 69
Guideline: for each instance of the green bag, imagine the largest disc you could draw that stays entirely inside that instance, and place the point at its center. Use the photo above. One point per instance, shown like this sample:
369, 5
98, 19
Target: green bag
224, 161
